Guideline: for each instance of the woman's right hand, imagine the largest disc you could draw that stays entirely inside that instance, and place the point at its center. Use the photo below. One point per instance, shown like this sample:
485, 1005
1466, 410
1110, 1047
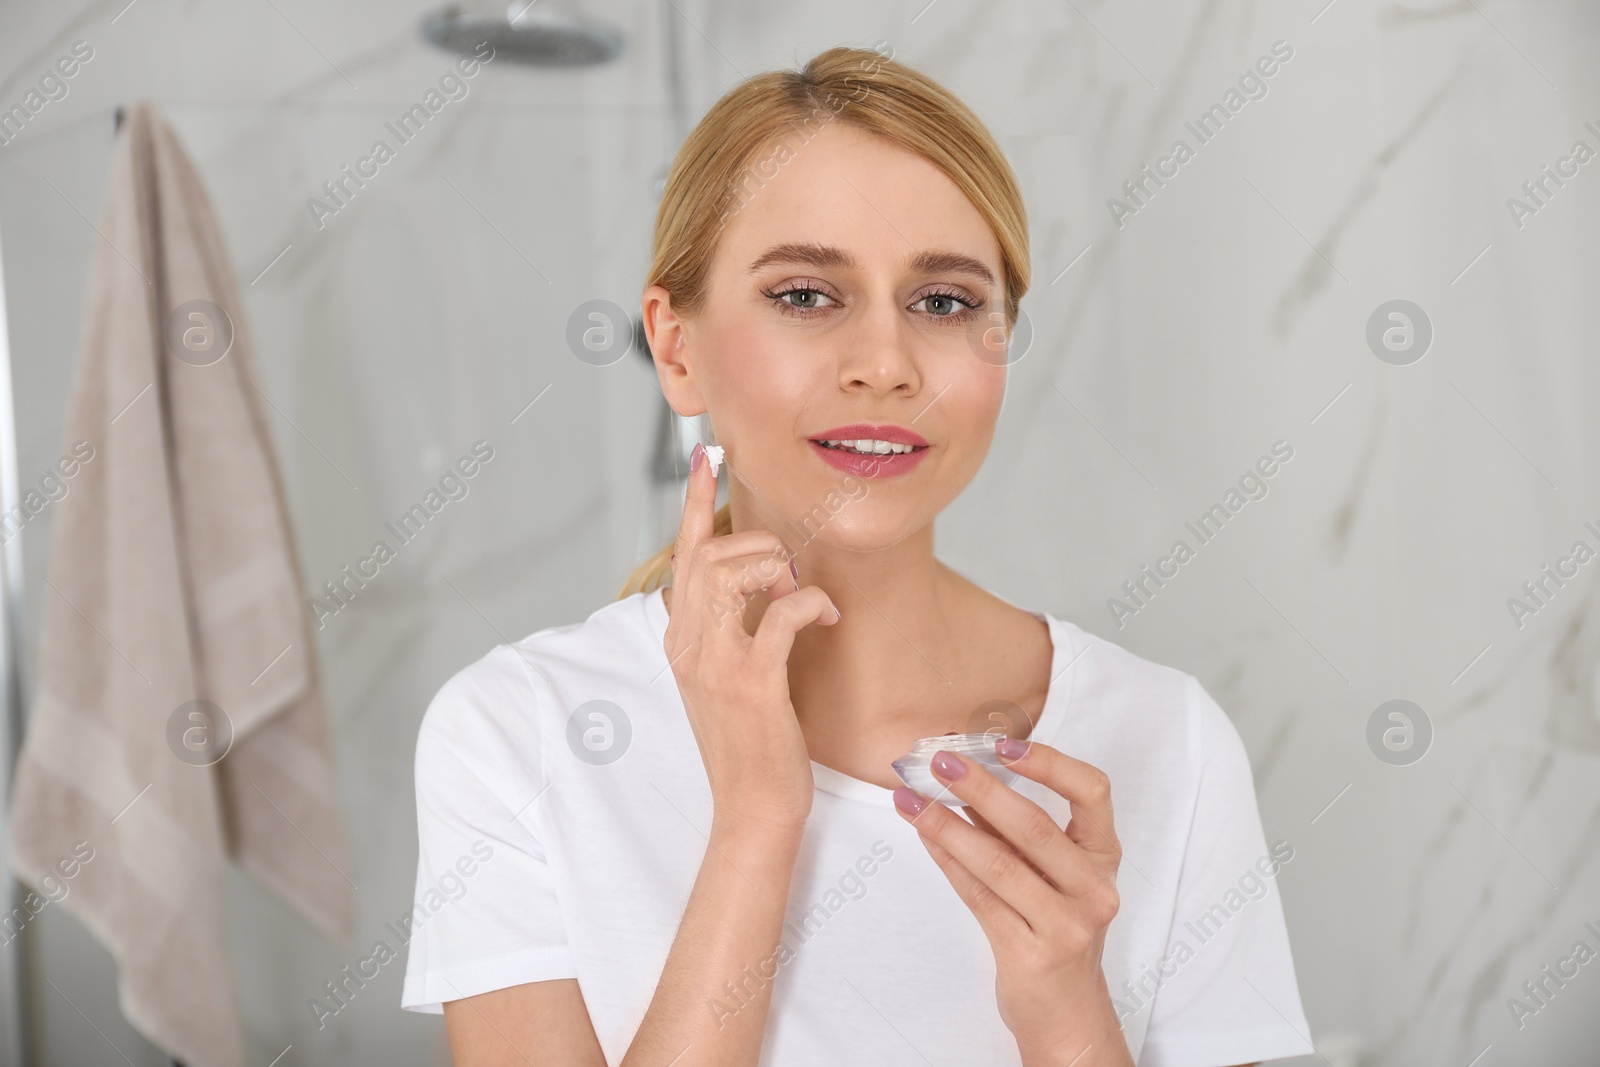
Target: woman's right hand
735, 686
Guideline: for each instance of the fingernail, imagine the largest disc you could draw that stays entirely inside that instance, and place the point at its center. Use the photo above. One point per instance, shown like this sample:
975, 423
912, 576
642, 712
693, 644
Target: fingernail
947, 766
794, 570
908, 801
1010, 748
696, 456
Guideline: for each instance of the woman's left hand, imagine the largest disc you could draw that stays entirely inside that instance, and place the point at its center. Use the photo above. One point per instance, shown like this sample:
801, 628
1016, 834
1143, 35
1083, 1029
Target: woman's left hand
1043, 896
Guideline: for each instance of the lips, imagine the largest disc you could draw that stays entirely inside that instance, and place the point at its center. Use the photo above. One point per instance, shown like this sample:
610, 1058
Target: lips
876, 465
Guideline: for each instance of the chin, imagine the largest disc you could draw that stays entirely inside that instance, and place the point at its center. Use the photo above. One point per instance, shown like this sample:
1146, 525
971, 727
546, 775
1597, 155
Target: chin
844, 532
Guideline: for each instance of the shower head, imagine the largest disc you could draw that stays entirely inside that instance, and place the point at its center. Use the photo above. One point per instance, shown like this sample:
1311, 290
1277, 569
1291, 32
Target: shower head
527, 33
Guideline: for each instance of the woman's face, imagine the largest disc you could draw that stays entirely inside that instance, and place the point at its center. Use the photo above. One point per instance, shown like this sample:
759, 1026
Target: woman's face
850, 298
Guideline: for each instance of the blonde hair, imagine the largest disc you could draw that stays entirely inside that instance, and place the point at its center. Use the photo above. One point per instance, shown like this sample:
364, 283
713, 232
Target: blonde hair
714, 170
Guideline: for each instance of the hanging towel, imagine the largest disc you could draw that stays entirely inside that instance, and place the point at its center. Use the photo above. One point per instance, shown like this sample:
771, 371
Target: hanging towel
174, 581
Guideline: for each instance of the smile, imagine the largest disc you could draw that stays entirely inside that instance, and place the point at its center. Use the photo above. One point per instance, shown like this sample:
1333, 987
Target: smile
865, 447
870, 451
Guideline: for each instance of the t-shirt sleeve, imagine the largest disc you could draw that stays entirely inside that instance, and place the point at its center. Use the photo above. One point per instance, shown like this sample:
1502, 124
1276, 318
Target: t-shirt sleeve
1233, 998
484, 915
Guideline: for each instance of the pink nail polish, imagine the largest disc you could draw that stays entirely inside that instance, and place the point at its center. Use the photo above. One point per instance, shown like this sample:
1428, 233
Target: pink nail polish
947, 766
908, 801
794, 570
1010, 748
696, 456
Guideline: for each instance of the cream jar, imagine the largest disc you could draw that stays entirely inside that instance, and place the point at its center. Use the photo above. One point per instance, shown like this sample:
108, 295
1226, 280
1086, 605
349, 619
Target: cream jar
915, 768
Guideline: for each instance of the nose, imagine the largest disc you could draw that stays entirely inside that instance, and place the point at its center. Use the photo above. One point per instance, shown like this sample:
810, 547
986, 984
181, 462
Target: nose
879, 355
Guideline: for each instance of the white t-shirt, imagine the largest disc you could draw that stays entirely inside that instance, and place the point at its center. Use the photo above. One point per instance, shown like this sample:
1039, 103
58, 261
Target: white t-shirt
560, 838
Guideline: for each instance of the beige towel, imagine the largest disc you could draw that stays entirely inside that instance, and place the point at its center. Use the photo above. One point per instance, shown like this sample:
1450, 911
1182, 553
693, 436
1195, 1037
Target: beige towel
174, 579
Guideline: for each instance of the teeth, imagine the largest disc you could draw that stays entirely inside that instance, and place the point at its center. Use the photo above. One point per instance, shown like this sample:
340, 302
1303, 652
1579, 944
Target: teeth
868, 447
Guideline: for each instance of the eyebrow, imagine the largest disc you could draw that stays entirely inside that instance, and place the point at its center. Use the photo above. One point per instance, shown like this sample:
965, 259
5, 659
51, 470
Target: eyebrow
828, 256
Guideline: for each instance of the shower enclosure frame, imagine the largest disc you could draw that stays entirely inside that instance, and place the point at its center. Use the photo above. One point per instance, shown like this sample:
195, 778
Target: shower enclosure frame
14, 1015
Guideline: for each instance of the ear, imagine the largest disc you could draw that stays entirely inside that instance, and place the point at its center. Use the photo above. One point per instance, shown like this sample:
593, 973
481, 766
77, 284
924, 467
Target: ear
666, 334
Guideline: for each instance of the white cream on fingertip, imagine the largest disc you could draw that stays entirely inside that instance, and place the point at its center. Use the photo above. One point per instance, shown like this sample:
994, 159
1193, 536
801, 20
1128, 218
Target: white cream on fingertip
714, 457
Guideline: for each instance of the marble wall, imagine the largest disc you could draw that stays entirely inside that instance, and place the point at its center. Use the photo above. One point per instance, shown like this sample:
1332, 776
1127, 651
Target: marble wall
1179, 335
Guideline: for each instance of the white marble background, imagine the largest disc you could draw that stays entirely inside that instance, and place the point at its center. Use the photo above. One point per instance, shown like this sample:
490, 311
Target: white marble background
1228, 314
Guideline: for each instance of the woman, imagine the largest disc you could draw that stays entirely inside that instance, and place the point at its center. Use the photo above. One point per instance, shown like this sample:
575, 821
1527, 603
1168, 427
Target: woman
671, 833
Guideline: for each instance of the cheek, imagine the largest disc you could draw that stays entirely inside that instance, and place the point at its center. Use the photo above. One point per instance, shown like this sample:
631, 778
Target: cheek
973, 396
761, 380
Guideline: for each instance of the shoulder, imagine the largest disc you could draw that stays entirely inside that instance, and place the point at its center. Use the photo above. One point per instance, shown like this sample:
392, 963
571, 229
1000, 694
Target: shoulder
487, 719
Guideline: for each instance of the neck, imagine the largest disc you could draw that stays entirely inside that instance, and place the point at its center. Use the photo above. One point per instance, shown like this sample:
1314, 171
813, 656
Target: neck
889, 666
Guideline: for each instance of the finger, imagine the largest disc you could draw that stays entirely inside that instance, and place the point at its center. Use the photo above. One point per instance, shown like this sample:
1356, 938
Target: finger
718, 573
762, 552
992, 862
1086, 787
726, 585
694, 527
699, 506
783, 619
744, 543
1026, 826
999, 920
972, 815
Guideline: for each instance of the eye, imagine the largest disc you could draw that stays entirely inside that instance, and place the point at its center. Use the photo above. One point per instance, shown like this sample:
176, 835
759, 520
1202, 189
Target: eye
948, 305
800, 299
